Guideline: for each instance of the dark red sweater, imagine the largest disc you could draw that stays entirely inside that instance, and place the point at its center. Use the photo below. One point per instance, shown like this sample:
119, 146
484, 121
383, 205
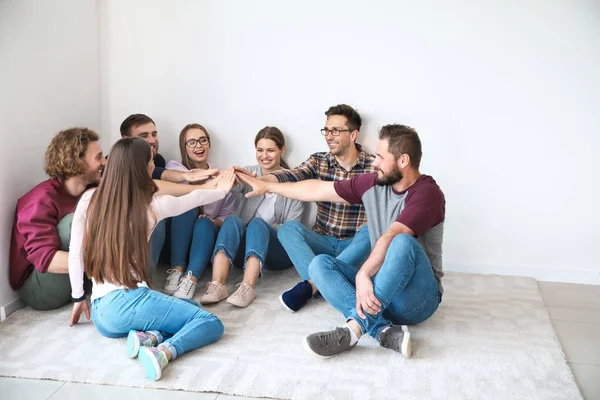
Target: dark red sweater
35, 235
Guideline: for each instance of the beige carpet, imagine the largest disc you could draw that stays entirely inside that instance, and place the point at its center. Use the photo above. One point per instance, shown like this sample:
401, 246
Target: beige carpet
490, 339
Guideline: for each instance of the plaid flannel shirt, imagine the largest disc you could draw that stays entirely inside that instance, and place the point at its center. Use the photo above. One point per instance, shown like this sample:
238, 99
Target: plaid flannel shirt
333, 219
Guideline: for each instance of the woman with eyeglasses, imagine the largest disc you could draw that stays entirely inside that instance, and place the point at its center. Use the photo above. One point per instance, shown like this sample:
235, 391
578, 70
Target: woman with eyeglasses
109, 242
193, 233
250, 237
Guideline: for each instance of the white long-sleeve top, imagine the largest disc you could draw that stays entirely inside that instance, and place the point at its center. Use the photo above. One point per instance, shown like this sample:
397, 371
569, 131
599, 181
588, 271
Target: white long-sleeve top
160, 208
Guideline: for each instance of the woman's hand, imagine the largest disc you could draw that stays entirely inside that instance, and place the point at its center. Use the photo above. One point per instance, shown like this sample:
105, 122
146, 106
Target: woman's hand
226, 180
79, 308
198, 175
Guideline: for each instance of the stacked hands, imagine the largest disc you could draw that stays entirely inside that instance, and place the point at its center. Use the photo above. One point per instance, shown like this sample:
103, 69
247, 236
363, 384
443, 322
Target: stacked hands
197, 176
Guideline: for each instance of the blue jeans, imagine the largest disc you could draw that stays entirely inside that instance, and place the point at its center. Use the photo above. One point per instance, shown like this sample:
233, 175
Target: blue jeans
182, 229
405, 286
302, 245
157, 240
180, 325
260, 241
201, 233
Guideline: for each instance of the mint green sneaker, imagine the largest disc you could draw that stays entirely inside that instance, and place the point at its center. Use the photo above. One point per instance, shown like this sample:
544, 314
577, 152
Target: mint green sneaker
154, 361
135, 339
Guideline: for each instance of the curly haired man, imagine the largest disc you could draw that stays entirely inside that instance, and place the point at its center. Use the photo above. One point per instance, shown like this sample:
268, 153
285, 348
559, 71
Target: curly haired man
41, 231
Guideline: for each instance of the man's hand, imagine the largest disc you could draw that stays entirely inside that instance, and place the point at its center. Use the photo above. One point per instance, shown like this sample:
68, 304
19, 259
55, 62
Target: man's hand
200, 175
258, 187
78, 308
365, 297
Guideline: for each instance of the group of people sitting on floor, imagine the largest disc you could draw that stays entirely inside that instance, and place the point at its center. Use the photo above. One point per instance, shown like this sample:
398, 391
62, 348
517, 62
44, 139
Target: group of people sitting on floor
97, 228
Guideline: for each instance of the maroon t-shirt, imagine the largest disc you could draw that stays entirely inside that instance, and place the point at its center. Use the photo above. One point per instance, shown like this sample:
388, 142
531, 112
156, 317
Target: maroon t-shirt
35, 237
420, 207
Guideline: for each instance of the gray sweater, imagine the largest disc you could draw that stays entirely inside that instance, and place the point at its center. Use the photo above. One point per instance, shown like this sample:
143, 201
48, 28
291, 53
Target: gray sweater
285, 209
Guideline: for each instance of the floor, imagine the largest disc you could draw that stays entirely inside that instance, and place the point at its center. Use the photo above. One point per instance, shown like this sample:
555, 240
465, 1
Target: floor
574, 310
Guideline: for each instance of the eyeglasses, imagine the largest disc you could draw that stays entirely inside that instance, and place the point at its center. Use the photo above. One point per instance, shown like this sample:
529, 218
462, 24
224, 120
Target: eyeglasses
194, 142
334, 131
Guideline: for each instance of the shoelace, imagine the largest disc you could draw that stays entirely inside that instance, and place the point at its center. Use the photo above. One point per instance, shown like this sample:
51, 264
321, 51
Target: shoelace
186, 283
171, 275
245, 290
211, 287
333, 338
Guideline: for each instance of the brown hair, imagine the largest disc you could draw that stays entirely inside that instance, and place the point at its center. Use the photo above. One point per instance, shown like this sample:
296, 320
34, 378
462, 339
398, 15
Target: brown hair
115, 241
185, 159
273, 133
403, 139
64, 155
133, 121
352, 116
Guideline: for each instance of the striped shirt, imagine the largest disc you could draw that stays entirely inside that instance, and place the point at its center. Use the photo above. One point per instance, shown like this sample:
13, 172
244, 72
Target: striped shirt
333, 219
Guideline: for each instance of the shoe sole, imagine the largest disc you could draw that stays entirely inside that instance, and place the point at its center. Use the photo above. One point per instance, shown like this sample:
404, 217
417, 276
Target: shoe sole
183, 297
211, 302
133, 344
312, 352
151, 367
406, 347
169, 292
285, 305
240, 305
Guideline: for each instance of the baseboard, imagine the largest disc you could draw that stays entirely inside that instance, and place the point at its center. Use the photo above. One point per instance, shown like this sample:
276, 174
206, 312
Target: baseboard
541, 274
11, 307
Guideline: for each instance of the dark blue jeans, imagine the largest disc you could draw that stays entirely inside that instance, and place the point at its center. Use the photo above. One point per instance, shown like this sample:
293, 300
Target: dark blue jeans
194, 236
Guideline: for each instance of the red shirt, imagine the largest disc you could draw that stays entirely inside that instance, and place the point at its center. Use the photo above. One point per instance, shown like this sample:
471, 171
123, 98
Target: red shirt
35, 234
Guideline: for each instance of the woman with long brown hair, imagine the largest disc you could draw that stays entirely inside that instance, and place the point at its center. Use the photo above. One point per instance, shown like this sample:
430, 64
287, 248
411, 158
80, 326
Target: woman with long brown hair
109, 240
254, 228
193, 233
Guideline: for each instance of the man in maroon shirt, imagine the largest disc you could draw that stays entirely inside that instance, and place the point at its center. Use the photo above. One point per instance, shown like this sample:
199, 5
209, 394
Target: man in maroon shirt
41, 231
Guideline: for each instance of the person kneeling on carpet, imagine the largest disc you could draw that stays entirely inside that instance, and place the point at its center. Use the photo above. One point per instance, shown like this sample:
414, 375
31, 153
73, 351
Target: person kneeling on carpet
400, 282
109, 239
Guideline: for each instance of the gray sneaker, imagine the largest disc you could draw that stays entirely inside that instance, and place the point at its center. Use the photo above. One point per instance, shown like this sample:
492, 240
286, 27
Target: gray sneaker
397, 338
327, 344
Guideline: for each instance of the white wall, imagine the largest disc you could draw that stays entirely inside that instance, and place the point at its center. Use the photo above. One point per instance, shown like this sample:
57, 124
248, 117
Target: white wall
49, 81
506, 98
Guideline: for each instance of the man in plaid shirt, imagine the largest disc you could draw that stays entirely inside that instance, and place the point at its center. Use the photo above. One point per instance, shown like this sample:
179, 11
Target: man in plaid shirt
338, 230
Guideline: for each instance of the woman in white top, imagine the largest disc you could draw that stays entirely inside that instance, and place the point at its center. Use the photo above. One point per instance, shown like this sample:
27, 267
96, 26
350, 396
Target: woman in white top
254, 229
109, 240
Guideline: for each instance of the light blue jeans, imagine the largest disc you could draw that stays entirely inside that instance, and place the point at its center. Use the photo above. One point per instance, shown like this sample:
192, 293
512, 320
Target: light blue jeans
260, 241
181, 325
199, 233
405, 286
302, 245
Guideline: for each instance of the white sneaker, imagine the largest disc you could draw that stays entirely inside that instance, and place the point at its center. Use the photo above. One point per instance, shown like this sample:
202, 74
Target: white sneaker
186, 288
172, 281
